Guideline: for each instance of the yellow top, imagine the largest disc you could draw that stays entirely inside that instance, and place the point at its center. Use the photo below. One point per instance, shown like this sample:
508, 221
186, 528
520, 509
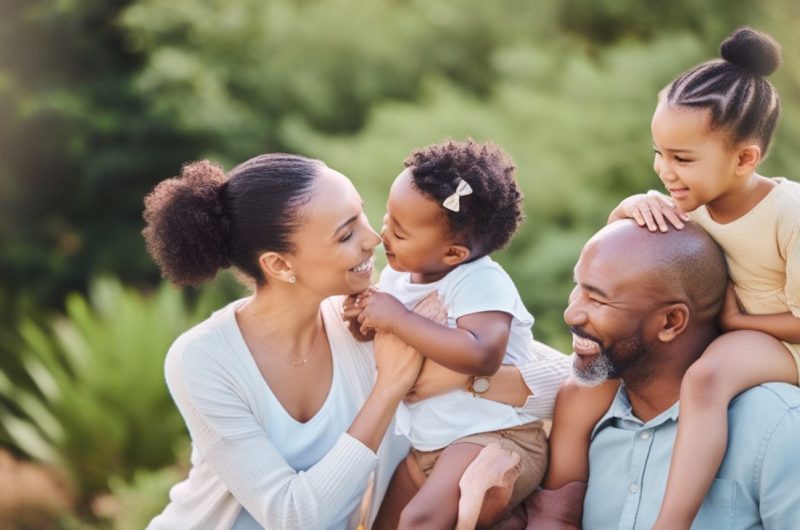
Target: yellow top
763, 251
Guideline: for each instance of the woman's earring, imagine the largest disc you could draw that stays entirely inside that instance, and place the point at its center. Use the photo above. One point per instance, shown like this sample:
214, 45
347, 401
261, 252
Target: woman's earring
292, 279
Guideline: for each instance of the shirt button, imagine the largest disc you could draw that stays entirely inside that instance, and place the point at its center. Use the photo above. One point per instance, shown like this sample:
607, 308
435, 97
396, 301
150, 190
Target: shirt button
645, 435
634, 488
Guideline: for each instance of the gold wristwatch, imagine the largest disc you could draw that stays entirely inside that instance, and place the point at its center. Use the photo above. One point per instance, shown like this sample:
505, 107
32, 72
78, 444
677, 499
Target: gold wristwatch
479, 385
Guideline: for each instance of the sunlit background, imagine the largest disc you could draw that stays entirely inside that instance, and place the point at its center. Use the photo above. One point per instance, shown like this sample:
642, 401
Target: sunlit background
100, 100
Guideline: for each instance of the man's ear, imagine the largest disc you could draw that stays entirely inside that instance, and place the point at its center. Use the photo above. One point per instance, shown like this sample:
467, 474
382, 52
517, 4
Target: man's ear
456, 254
674, 319
275, 265
749, 158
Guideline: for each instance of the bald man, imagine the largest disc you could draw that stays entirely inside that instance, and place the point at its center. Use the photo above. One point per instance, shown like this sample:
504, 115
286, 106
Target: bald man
643, 310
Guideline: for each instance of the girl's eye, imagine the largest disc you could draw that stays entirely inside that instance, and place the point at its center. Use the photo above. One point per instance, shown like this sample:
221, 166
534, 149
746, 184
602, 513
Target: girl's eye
681, 159
396, 236
346, 237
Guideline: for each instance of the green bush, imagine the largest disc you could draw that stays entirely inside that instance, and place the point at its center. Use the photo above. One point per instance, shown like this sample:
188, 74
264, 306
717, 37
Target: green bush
93, 401
578, 128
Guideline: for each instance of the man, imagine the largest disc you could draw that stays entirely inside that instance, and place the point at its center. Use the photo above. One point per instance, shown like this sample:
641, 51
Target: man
648, 301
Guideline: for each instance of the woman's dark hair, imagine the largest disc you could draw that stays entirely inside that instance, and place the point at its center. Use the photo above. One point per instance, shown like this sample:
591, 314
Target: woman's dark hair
202, 220
491, 214
734, 88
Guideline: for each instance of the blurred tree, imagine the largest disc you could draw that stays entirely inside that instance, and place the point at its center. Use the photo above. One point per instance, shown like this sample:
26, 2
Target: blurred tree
101, 99
74, 145
578, 129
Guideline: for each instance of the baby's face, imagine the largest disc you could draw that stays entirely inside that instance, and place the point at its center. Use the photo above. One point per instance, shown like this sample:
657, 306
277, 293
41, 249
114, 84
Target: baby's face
415, 231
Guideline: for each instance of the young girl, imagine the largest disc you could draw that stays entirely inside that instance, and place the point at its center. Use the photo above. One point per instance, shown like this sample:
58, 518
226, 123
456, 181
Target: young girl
711, 129
453, 205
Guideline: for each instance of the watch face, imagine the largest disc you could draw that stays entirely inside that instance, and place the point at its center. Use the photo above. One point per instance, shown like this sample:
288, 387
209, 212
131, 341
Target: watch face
480, 384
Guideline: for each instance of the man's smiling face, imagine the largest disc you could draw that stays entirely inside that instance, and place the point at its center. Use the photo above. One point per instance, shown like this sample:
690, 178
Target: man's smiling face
609, 309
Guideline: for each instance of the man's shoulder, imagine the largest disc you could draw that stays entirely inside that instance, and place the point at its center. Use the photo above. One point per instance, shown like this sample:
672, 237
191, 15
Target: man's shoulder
780, 396
764, 405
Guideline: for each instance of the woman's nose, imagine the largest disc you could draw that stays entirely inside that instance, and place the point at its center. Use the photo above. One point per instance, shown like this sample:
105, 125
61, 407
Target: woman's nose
374, 239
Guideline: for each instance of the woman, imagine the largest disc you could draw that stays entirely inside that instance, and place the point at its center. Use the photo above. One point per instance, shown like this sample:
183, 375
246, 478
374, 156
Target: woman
287, 417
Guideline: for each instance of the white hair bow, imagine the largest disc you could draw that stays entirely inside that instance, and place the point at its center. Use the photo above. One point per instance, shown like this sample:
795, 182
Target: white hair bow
453, 202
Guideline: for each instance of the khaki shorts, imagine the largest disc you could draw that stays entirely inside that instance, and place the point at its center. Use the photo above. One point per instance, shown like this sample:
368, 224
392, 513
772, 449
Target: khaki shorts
529, 441
794, 349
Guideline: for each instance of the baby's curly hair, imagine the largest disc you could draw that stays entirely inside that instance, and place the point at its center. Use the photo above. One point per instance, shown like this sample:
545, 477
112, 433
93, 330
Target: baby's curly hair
488, 217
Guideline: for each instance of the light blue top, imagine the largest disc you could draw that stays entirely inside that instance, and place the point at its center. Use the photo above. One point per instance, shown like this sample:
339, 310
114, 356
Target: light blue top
757, 486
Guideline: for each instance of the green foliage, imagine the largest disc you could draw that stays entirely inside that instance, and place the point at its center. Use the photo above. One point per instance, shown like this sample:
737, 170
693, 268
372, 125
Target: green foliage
93, 401
101, 99
235, 70
74, 148
143, 497
577, 127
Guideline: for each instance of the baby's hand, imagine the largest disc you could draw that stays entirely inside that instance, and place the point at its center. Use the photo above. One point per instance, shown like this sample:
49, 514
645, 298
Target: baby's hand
350, 314
379, 311
650, 209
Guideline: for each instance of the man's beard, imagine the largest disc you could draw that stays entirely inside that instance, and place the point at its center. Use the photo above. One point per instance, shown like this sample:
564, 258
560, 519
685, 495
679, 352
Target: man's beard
610, 363
600, 370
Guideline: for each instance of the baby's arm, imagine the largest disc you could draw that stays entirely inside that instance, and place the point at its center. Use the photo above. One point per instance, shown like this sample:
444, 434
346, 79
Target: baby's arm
651, 209
783, 326
476, 347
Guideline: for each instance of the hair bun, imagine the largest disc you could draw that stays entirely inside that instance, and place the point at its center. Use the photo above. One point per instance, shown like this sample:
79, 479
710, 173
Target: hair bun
187, 229
752, 50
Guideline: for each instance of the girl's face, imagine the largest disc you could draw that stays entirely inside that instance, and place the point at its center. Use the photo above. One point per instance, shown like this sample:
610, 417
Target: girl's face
415, 233
334, 242
696, 164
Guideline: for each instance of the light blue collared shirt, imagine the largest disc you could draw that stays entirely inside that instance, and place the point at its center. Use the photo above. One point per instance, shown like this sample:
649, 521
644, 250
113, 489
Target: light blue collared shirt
757, 486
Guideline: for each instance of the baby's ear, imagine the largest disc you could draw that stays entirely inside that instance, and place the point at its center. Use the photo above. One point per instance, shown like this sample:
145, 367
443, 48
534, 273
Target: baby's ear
456, 254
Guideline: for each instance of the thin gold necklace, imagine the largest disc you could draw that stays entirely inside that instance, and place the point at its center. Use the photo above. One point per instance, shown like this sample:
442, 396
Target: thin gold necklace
293, 362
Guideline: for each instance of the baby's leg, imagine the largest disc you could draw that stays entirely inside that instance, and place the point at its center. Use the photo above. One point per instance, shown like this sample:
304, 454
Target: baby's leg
405, 483
578, 409
436, 503
733, 363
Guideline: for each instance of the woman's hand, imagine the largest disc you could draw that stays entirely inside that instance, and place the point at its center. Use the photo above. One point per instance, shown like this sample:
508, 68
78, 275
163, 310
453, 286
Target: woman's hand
398, 363
387, 345
651, 209
350, 312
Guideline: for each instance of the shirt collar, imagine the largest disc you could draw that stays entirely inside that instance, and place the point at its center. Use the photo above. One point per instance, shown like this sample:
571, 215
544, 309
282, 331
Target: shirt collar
622, 410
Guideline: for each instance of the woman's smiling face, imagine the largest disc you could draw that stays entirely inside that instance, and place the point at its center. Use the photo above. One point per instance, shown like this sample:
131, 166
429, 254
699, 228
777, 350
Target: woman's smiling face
334, 242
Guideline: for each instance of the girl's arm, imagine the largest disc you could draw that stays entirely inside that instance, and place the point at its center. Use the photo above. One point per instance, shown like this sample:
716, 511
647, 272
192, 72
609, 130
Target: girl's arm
782, 326
475, 347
